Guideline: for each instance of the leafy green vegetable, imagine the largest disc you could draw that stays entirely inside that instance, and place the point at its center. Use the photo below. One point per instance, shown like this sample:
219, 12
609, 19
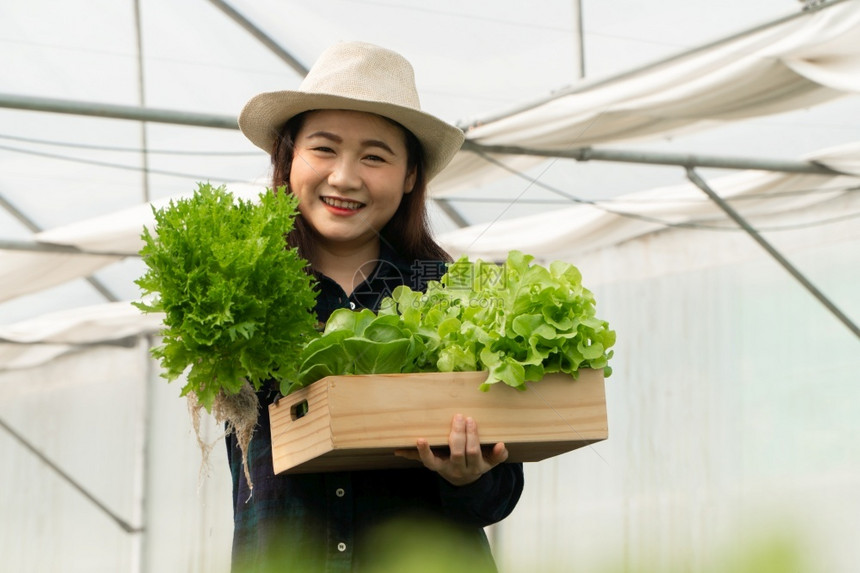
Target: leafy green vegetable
519, 321
238, 303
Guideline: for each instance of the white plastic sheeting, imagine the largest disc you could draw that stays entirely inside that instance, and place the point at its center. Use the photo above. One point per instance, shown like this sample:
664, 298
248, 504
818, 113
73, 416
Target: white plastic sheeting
36, 341
769, 200
732, 418
732, 412
752, 75
799, 63
783, 198
732, 405
117, 234
120, 433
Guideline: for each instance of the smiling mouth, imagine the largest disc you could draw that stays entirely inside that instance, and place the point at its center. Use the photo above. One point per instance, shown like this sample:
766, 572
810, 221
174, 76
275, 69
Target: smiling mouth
342, 203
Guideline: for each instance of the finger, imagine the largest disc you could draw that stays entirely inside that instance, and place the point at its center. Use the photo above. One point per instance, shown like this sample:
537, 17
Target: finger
457, 439
426, 455
408, 454
474, 456
498, 454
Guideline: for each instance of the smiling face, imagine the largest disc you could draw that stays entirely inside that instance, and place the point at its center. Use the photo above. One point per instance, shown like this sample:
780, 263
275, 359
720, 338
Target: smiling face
350, 172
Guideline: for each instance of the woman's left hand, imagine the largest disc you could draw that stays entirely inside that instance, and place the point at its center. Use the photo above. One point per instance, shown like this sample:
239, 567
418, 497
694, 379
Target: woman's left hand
466, 462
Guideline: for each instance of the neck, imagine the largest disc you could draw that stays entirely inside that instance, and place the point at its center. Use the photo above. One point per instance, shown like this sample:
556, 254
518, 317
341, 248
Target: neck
349, 265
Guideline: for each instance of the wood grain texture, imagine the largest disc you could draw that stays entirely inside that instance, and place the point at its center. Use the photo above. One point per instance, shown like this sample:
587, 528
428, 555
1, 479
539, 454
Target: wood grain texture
356, 422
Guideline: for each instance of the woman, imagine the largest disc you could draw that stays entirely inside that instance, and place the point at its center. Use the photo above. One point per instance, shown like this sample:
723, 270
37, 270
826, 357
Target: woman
354, 146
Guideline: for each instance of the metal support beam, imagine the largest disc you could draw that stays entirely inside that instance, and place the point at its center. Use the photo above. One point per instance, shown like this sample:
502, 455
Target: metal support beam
654, 158
578, 154
264, 38
123, 524
141, 100
32, 226
452, 213
112, 111
38, 247
580, 38
737, 218
18, 214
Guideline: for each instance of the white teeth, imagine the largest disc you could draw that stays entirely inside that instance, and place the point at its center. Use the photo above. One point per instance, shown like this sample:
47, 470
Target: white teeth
342, 204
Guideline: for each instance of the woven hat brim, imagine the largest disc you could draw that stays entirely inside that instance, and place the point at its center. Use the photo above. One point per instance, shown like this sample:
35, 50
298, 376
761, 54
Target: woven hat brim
265, 114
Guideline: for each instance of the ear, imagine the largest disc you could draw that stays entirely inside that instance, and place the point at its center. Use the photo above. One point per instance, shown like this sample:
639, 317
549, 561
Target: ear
409, 182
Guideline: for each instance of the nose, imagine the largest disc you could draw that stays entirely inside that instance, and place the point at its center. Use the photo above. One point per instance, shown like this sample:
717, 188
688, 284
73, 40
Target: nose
344, 175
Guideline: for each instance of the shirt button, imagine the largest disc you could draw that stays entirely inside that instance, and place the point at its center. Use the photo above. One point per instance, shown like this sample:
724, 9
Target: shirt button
341, 547
351, 305
339, 492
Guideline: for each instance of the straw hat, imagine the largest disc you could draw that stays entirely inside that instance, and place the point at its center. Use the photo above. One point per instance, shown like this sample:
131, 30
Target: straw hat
360, 77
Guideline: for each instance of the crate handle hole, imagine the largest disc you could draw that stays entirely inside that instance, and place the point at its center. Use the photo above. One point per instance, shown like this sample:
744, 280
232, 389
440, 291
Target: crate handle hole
299, 409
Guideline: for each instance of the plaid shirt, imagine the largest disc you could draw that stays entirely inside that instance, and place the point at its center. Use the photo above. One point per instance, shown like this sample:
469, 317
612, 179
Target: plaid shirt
321, 522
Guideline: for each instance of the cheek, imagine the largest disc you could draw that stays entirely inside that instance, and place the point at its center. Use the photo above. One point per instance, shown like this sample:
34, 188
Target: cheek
295, 170
304, 197
392, 205
300, 178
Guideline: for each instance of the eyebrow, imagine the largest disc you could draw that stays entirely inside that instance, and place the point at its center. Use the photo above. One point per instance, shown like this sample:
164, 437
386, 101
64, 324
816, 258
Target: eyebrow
365, 143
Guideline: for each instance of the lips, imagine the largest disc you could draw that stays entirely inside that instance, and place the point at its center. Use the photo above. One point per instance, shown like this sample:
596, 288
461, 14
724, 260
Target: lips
342, 203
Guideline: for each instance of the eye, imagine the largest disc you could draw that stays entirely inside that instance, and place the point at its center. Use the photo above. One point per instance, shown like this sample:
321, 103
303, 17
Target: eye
322, 149
376, 158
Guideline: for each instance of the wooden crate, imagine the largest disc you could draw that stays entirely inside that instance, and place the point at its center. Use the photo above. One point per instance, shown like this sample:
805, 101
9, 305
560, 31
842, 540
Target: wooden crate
356, 422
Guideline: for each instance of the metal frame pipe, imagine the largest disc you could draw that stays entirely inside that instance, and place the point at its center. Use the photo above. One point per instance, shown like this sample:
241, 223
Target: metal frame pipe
114, 111
696, 180
658, 158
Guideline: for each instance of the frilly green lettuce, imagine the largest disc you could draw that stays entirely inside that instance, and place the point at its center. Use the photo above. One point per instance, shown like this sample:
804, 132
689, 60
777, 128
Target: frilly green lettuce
238, 303
518, 320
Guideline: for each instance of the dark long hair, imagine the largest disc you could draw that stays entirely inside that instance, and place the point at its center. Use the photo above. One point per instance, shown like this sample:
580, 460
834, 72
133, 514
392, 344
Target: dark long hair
408, 231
